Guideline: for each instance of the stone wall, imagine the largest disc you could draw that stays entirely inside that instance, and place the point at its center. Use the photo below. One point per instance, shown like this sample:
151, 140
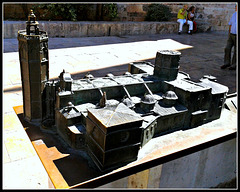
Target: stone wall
215, 15
132, 12
92, 29
130, 21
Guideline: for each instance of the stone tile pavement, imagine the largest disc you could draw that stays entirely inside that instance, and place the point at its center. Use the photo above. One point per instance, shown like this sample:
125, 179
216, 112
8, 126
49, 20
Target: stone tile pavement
202, 54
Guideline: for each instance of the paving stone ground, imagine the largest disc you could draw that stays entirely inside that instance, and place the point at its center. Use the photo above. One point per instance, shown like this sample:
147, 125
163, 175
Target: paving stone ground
99, 55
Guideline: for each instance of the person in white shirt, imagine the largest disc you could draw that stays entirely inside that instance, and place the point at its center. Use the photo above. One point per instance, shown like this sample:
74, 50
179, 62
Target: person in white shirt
191, 16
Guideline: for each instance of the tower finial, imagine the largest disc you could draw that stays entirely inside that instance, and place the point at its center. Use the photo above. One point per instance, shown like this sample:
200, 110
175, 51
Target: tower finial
31, 17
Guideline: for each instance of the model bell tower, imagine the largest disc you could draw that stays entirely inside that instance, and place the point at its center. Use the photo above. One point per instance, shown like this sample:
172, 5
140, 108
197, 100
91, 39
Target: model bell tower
33, 55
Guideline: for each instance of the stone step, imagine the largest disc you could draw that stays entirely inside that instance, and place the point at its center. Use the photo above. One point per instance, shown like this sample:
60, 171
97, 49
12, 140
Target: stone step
70, 29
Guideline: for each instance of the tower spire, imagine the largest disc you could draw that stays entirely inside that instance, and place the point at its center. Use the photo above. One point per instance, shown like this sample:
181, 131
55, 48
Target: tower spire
31, 22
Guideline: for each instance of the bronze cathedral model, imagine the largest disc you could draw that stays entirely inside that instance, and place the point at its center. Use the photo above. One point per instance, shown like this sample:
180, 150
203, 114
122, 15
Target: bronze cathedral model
112, 117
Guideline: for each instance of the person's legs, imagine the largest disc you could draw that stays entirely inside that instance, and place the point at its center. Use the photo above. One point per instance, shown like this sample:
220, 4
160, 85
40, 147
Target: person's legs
190, 23
181, 23
227, 52
194, 26
233, 64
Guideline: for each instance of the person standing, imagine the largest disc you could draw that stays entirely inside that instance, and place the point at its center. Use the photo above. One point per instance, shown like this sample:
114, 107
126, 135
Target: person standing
231, 42
183, 19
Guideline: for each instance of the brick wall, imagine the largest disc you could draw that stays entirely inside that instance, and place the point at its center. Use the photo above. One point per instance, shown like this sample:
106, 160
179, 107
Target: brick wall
13, 11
